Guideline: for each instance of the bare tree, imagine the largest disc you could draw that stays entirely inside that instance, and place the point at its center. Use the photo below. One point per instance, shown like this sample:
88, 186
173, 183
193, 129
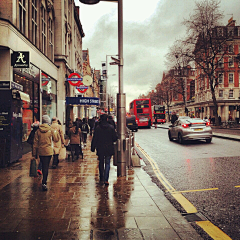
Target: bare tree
179, 64
164, 91
206, 43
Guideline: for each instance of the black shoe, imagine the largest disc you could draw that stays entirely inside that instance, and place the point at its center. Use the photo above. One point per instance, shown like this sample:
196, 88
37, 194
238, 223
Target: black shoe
54, 166
44, 187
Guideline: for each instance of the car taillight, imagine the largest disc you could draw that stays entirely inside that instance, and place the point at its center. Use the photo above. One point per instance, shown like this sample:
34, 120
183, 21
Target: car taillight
185, 125
207, 123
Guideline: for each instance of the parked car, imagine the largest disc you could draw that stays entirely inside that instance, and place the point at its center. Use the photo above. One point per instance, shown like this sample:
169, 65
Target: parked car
131, 123
190, 129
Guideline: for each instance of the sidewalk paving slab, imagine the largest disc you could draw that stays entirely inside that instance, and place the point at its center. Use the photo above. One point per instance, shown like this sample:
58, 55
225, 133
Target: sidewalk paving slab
76, 206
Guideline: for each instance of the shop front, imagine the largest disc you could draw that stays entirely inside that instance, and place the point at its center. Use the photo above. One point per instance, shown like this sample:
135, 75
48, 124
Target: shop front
42, 99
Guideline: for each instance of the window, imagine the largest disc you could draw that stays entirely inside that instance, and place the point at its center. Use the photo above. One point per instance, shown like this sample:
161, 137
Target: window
230, 32
220, 63
230, 48
220, 93
230, 62
230, 77
34, 22
220, 78
219, 31
22, 16
44, 30
50, 38
231, 93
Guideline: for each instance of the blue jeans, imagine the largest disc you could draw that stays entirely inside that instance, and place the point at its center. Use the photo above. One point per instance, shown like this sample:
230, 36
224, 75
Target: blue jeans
104, 167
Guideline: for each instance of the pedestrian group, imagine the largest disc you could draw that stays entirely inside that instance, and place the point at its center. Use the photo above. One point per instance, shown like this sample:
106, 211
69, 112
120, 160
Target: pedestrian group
48, 142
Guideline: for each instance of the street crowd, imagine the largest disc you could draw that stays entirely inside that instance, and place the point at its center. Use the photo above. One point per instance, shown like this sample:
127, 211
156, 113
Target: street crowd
48, 142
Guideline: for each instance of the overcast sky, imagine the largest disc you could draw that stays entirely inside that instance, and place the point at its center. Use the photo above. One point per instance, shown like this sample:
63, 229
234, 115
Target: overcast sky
150, 28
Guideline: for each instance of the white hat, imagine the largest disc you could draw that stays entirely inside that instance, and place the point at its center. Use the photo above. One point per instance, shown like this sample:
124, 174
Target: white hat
46, 119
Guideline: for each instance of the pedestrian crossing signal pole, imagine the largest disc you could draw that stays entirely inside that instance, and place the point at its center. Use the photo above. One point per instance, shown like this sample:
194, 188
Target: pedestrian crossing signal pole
121, 98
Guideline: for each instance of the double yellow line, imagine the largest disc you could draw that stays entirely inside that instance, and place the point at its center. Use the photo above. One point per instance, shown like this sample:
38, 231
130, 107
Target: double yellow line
207, 226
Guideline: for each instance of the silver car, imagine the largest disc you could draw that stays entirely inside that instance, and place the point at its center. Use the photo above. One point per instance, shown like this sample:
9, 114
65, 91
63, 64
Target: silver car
190, 129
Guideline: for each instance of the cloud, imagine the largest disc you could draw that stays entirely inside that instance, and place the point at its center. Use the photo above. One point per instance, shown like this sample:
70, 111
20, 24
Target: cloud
146, 41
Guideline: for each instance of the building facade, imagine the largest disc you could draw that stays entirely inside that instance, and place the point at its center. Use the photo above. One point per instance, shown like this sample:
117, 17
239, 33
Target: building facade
228, 73
48, 35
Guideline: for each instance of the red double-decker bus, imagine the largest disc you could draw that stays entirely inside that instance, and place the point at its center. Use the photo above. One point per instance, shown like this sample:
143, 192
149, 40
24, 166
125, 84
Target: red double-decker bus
158, 112
142, 109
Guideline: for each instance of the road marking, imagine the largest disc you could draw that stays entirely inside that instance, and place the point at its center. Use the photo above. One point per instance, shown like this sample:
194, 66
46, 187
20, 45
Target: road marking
199, 190
213, 231
237, 186
188, 207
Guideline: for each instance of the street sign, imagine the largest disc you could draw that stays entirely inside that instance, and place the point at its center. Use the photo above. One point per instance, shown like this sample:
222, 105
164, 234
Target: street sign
82, 101
74, 81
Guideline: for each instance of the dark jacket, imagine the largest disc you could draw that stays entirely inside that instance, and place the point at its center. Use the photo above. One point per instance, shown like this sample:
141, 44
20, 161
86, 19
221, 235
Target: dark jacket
103, 139
75, 138
174, 118
111, 121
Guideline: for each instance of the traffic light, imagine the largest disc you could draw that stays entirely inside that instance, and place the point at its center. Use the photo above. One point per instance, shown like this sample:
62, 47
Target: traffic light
186, 110
202, 109
199, 109
238, 108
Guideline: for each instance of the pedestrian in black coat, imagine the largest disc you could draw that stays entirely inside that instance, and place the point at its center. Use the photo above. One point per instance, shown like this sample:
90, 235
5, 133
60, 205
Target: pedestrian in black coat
103, 139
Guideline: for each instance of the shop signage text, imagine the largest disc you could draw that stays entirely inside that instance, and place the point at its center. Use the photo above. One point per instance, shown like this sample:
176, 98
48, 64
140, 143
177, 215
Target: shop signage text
82, 101
20, 59
5, 85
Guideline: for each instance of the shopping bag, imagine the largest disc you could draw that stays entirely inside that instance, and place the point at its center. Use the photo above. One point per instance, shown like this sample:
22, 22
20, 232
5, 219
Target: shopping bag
62, 154
33, 168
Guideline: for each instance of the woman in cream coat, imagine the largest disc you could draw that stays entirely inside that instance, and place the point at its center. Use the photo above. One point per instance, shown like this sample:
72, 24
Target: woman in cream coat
59, 144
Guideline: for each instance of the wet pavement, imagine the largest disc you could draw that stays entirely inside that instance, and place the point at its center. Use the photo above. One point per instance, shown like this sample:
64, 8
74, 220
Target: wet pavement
76, 206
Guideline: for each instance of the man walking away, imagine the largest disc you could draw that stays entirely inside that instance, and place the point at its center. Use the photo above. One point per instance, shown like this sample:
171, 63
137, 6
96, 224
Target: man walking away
103, 139
85, 131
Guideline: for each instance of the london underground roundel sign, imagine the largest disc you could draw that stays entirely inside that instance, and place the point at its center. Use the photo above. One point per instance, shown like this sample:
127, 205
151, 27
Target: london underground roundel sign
45, 79
74, 81
81, 88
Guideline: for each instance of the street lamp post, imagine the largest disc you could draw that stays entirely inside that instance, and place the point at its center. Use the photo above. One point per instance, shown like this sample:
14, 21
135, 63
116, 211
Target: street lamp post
121, 98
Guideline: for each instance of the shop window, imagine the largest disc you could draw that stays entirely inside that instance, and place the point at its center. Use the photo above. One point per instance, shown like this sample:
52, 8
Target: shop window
49, 98
27, 107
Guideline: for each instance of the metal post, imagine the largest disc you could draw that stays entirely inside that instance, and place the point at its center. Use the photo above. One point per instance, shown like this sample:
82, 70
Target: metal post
121, 99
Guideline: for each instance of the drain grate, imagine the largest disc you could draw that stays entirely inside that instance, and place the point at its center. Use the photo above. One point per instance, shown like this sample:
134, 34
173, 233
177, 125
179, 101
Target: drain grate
194, 217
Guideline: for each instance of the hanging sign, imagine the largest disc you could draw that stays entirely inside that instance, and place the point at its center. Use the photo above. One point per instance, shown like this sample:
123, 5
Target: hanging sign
20, 59
81, 88
74, 81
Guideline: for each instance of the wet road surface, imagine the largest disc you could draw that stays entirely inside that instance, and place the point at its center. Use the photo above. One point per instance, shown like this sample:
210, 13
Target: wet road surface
206, 174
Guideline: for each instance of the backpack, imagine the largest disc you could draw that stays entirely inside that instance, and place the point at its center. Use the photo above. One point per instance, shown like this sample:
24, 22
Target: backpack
84, 127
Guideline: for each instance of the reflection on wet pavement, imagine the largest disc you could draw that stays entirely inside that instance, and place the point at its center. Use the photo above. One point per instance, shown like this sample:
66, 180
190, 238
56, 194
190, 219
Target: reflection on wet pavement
77, 206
